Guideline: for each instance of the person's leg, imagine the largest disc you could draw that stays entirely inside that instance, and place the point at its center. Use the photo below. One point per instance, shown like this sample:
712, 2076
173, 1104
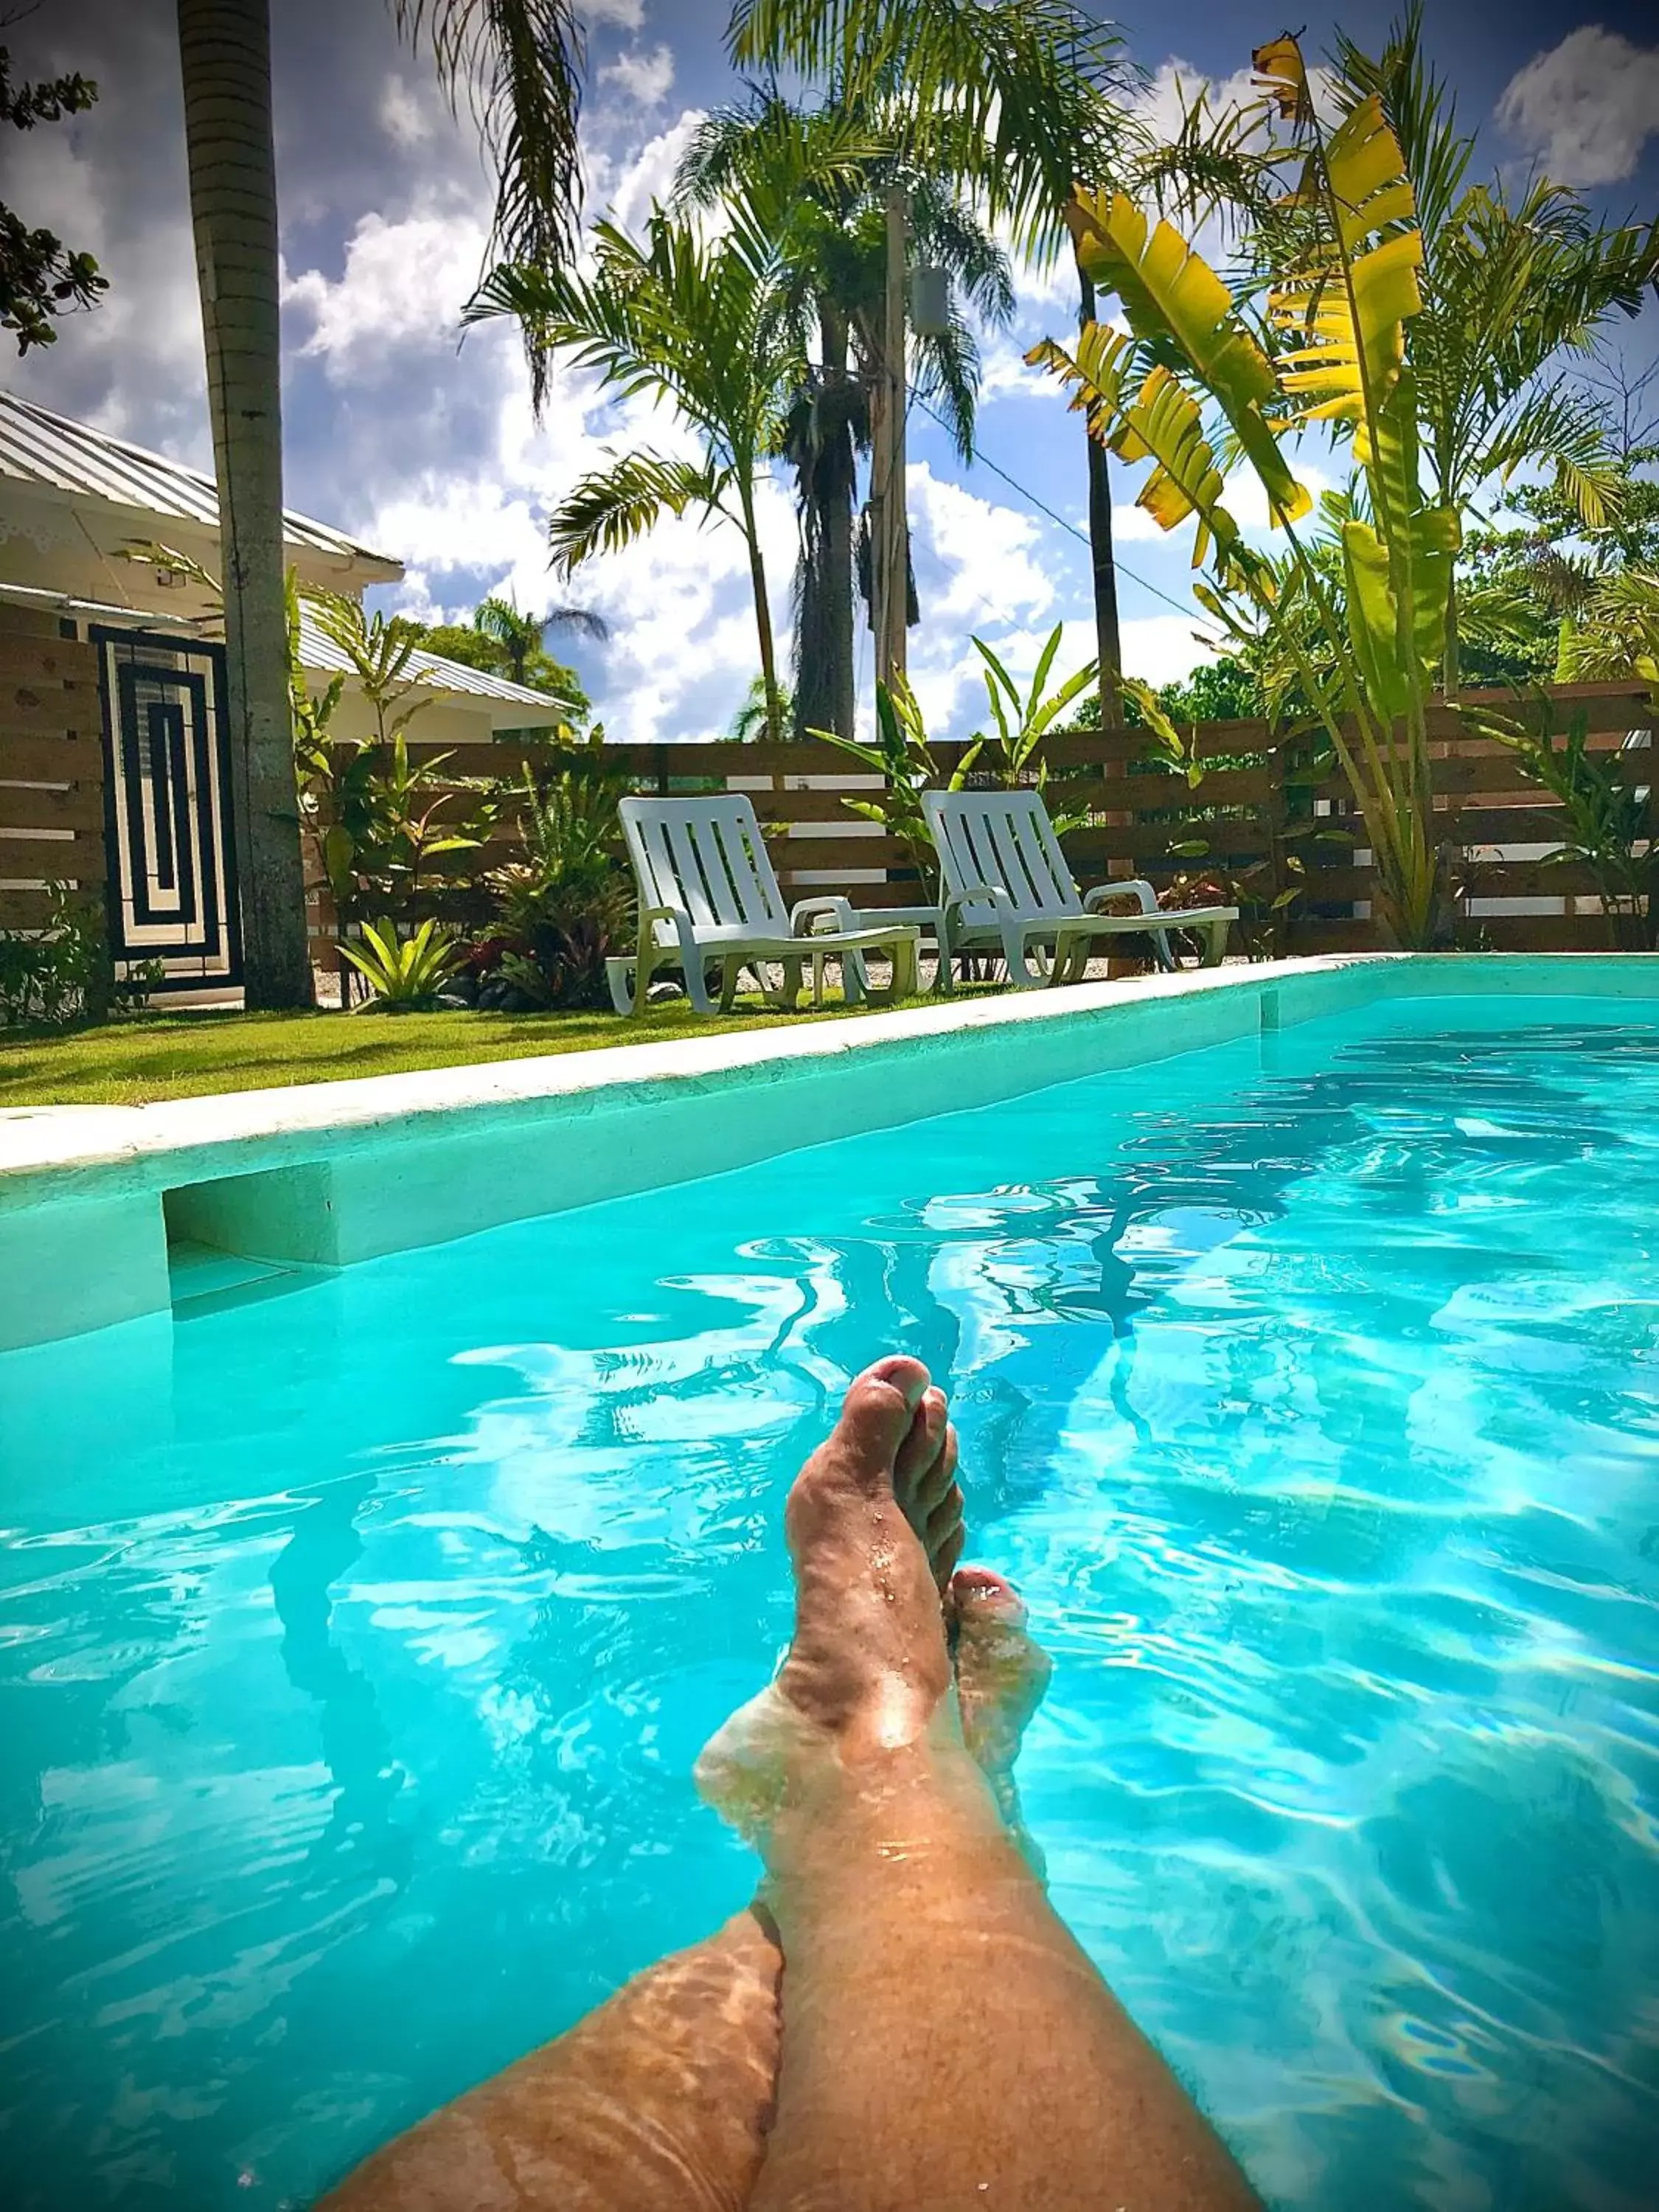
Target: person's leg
946, 2042
659, 2101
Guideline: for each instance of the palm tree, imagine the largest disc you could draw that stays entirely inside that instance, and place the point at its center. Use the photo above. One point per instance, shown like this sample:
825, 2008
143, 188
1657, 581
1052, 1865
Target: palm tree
1017, 100
817, 176
698, 324
1508, 291
224, 46
521, 60
521, 636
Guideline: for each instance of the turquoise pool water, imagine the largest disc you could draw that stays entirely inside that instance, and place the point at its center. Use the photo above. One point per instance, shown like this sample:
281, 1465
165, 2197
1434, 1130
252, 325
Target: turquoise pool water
356, 1645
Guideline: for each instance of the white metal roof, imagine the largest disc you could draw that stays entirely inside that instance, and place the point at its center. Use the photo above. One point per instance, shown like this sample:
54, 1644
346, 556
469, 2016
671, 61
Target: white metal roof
319, 651
320, 655
57, 454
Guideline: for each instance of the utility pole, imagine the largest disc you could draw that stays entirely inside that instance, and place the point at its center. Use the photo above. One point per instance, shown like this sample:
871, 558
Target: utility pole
888, 524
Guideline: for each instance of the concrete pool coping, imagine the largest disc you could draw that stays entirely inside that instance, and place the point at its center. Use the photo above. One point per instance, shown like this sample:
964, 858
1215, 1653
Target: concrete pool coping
327, 1174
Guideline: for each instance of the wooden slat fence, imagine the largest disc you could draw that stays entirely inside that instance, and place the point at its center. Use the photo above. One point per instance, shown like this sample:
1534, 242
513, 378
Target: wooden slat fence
51, 773
1256, 805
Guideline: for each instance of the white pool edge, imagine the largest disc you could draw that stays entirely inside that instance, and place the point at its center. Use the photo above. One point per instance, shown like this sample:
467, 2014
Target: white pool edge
327, 1174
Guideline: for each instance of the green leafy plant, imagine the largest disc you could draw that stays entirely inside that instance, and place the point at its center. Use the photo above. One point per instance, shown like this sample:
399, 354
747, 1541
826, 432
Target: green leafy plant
1265, 891
131, 992
60, 973
1013, 756
388, 826
1009, 754
1332, 349
404, 974
1608, 824
903, 756
568, 906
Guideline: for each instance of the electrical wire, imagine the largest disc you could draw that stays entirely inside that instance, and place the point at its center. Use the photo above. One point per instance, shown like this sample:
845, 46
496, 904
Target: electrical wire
1030, 498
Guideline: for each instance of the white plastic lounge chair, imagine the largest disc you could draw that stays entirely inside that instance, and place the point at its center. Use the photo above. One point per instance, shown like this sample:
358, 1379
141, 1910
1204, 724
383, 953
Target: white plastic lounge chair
1007, 889
709, 897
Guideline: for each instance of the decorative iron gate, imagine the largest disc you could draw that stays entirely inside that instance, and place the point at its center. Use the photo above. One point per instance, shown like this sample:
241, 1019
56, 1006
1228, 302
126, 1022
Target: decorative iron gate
167, 806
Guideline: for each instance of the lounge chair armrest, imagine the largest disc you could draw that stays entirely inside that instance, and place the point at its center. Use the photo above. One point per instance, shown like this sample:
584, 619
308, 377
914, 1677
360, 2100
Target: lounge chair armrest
953, 902
1133, 887
684, 929
805, 914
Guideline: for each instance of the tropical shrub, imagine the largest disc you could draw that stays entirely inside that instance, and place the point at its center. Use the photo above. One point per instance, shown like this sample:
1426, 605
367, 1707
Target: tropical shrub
1609, 825
1010, 754
59, 973
403, 973
1267, 890
1201, 372
568, 906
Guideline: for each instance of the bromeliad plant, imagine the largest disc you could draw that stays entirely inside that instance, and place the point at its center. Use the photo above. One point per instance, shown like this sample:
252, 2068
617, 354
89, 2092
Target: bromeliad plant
1199, 376
404, 974
568, 906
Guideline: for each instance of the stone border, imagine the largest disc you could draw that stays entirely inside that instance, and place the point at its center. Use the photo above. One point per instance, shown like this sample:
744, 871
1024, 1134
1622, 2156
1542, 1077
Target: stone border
327, 1174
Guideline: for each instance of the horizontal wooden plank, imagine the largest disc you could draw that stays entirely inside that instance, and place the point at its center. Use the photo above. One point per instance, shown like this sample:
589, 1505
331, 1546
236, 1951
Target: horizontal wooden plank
1539, 932
43, 708
32, 909
63, 759
1498, 781
79, 807
28, 661
17, 621
1599, 710
1489, 879
791, 855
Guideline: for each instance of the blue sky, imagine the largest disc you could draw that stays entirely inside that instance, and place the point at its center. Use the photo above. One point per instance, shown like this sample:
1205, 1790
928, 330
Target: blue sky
427, 449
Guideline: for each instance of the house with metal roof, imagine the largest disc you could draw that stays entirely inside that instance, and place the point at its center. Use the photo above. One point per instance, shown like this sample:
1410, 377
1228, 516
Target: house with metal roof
115, 762
75, 503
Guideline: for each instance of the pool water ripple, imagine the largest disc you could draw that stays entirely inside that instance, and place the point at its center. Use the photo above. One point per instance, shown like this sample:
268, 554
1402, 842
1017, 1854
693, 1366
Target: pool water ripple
356, 1646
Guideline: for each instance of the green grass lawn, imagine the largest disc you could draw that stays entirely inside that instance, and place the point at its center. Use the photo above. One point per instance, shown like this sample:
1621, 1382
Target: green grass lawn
148, 1056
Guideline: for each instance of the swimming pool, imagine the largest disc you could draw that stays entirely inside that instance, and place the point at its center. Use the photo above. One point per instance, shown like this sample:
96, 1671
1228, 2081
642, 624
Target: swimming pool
356, 1644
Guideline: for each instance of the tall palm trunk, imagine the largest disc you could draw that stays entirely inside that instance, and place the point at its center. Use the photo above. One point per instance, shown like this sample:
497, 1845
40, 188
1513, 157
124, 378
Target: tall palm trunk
1109, 646
224, 48
768, 658
826, 691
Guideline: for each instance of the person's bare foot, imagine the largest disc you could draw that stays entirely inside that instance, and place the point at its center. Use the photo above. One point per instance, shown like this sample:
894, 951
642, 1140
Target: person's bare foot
1002, 1673
875, 1527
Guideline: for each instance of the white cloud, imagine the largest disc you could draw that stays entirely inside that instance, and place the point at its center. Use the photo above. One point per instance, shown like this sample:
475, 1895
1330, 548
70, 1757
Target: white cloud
1587, 107
626, 14
1163, 649
629, 187
402, 289
403, 117
646, 78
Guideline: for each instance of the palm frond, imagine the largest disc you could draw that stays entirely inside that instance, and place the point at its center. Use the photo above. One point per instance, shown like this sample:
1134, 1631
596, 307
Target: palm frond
520, 62
608, 510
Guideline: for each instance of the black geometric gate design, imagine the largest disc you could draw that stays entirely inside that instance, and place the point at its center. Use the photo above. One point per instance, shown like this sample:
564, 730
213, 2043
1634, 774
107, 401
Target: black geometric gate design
167, 806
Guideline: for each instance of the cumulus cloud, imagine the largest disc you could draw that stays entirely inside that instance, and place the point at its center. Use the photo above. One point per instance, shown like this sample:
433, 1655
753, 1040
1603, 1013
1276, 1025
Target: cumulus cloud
427, 447
1587, 107
645, 78
402, 289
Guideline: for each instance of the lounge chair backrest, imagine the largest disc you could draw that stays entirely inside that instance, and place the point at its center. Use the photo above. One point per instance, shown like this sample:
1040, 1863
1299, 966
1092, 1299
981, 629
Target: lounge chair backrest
706, 857
1004, 838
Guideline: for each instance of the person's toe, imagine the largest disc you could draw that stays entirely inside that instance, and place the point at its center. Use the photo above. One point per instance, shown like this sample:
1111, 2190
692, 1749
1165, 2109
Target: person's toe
880, 1407
983, 1595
